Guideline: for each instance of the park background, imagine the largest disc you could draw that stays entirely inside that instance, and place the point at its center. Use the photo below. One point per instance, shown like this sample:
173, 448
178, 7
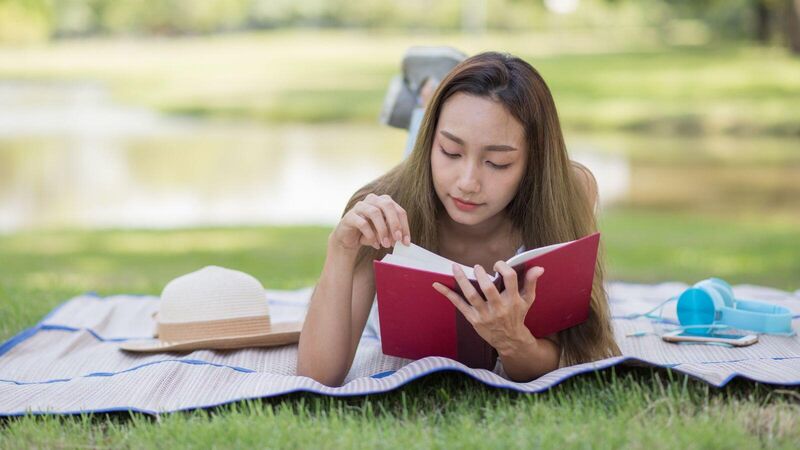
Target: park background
141, 140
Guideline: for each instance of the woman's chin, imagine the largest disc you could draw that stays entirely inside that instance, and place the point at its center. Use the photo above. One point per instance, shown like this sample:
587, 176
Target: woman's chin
465, 218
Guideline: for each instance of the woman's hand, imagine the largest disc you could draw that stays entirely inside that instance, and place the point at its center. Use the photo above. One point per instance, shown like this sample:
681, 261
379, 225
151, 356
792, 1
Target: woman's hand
377, 221
500, 319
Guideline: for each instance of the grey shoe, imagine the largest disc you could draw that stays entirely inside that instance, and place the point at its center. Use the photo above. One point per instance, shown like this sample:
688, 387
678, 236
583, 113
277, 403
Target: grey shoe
398, 104
419, 64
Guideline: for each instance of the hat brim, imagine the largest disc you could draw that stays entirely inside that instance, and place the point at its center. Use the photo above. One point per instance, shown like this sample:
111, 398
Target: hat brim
280, 334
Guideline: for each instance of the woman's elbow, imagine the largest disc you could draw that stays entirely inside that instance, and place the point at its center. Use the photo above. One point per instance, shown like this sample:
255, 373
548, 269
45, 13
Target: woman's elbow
319, 374
330, 372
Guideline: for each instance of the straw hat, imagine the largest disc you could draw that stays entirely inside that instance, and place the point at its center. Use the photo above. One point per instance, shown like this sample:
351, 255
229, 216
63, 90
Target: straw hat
215, 308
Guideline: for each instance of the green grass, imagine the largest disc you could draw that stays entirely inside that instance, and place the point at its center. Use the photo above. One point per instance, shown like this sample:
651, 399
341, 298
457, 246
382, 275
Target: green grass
619, 407
611, 81
658, 246
613, 409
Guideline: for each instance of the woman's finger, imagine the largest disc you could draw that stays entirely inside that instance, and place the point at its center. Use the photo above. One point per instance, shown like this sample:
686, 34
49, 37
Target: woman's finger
467, 311
531, 277
469, 292
387, 205
509, 275
488, 288
401, 213
368, 236
375, 216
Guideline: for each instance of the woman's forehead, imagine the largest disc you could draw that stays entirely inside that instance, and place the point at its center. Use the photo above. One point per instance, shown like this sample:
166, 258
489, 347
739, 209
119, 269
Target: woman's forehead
480, 121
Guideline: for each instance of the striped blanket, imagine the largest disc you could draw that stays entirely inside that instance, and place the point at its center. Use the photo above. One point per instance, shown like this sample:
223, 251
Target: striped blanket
69, 362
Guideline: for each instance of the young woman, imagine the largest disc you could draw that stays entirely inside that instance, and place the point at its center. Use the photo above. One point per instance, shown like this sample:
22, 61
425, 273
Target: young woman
489, 174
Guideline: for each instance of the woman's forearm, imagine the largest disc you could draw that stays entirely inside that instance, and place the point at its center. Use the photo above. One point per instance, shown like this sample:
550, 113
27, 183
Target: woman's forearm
325, 341
527, 358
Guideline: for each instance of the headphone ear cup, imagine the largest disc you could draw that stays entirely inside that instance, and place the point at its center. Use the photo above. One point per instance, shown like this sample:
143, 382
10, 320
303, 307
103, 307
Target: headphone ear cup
697, 306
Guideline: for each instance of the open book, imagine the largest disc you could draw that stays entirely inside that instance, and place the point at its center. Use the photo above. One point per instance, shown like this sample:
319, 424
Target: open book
417, 321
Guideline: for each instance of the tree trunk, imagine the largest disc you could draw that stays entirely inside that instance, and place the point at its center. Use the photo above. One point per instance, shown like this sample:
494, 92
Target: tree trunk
793, 25
763, 19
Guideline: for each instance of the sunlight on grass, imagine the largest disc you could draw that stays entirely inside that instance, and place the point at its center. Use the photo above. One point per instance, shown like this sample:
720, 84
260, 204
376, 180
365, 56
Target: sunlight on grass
659, 246
202, 241
138, 242
42, 243
77, 279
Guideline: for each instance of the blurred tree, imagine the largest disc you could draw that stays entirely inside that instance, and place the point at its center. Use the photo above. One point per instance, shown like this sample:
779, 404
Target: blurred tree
677, 20
763, 21
762, 18
176, 16
770, 13
23, 21
793, 25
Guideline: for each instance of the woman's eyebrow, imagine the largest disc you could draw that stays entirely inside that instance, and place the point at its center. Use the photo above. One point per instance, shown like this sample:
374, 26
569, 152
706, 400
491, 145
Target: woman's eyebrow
491, 148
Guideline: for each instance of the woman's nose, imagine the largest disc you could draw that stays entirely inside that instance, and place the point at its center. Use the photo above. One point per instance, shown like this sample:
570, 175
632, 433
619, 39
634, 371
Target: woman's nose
468, 181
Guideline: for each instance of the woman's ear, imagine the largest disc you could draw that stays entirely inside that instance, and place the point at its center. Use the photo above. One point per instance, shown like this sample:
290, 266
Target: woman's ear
587, 182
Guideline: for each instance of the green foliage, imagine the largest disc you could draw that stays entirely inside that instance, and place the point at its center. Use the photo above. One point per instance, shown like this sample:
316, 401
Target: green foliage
24, 21
161, 17
29, 19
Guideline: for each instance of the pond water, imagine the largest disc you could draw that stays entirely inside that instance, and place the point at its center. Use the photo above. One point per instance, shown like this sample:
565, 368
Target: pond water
70, 157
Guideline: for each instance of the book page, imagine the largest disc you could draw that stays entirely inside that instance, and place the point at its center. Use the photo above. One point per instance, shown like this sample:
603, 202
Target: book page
416, 257
530, 254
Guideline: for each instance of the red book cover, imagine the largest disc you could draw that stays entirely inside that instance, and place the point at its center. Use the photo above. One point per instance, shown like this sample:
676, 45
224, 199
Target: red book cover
416, 321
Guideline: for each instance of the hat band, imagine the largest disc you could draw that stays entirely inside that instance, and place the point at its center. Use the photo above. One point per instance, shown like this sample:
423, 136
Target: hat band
209, 329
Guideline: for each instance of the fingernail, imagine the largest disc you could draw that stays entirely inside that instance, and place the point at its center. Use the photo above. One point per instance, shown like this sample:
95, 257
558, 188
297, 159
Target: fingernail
539, 270
398, 236
386, 242
408, 240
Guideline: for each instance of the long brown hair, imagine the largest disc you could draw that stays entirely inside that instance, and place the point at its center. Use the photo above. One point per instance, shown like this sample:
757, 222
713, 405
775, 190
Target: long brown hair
550, 205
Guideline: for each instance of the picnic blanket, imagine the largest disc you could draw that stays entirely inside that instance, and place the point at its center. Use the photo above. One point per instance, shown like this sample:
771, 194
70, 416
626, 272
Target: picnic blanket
69, 363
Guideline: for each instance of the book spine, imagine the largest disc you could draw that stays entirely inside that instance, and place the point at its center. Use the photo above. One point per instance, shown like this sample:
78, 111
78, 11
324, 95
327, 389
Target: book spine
473, 351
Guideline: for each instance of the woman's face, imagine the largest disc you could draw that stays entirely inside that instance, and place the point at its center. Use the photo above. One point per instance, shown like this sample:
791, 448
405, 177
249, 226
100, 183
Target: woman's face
478, 156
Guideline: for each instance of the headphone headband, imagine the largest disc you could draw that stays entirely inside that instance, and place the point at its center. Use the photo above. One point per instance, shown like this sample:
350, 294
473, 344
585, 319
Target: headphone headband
711, 301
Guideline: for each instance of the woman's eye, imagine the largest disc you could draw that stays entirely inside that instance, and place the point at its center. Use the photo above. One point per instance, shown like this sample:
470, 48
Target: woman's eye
491, 164
449, 155
498, 166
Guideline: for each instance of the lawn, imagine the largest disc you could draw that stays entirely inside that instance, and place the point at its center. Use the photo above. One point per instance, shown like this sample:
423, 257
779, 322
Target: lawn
614, 408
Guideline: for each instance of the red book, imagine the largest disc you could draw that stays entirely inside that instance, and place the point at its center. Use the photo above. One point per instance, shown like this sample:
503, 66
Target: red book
417, 321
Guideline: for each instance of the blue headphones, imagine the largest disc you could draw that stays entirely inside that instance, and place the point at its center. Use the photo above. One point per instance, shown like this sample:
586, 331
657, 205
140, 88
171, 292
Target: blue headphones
711, 302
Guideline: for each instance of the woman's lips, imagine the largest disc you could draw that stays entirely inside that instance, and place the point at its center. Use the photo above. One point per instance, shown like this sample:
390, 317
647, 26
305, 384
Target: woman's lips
464, 206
